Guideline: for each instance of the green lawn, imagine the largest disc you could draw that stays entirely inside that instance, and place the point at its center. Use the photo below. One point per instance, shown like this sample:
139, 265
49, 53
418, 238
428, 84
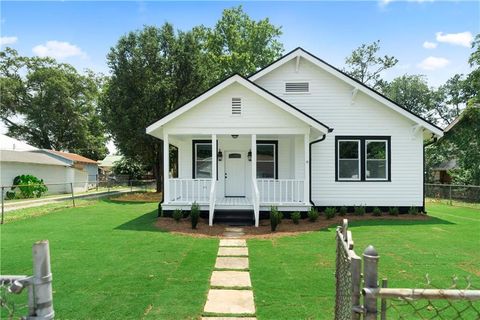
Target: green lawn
293, 277
110, 262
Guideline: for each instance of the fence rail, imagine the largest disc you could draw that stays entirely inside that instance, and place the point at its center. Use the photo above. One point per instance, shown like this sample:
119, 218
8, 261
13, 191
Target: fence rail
395, 303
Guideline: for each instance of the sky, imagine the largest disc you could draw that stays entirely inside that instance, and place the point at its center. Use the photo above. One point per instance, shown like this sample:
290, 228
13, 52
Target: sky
428, 37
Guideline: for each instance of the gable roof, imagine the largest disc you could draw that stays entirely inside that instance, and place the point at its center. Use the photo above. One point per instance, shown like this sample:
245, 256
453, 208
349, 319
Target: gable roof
70, 156
9, 143
236, 78
300, 52
29, 157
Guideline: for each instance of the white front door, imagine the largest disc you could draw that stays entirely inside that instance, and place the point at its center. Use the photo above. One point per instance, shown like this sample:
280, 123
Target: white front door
235, 174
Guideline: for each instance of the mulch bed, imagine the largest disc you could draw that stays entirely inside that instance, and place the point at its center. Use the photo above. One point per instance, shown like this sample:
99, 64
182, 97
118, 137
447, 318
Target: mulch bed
286, 228
138, 197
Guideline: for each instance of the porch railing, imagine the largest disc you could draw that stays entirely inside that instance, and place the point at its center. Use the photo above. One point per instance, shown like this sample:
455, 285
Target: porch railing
190, 190
281, 190
256, 201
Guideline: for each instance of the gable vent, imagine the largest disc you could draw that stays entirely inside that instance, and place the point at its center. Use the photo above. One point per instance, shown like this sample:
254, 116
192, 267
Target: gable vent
236, 106
297, 87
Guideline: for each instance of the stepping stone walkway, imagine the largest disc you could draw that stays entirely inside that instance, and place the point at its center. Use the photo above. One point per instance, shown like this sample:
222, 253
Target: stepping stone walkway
230, 291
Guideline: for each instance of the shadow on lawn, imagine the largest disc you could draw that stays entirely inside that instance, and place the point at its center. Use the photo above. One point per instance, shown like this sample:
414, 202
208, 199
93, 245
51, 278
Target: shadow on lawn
404, 222
143, 223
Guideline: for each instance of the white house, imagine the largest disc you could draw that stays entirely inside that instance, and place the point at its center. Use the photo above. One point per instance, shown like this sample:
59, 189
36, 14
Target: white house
296, 134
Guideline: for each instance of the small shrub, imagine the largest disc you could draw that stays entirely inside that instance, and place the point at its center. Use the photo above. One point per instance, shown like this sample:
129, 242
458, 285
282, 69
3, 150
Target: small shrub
275, 218
413, 211
343, 211
10, 195
393, 211
377, 212
330, 212
194, 215
30, 186
313, 214
177, 215
296, 217
359, 211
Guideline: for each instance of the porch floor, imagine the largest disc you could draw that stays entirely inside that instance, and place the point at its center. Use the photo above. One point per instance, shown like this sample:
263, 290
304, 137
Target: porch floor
234, 201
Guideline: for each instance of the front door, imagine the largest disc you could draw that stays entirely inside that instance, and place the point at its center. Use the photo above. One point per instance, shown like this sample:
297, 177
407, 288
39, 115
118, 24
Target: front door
235, 174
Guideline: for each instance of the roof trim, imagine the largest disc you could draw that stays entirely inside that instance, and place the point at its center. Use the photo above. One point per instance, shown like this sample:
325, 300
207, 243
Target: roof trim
350, 80
236, 78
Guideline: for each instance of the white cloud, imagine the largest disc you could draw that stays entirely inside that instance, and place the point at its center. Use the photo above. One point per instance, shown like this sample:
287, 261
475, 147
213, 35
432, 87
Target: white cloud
433, 63
460, 39
7, 40
58, 49
430, 45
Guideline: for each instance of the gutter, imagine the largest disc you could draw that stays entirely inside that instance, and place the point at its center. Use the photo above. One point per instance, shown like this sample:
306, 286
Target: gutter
310, 165
434, 139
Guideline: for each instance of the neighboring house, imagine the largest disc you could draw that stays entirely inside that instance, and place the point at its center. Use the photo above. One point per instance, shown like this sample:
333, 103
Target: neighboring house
8, 143
86, 169
105, 166
296, 134
15, 163
441, 171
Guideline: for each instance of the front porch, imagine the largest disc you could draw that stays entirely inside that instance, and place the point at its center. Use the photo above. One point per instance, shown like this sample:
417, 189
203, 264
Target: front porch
279, 164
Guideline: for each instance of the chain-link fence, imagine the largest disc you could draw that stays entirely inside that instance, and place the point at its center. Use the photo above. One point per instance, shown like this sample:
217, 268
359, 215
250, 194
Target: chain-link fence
27, 195
451, 192
429, 302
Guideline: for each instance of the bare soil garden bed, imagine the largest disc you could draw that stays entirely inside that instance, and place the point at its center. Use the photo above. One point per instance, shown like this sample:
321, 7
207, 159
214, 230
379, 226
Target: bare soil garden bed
138, 197
286, 228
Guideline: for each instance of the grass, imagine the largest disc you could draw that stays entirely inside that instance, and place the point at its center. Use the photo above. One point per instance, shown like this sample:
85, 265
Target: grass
293, 277
110, 262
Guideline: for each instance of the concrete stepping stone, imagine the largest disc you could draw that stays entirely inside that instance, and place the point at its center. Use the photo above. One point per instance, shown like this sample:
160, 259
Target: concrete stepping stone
232, 251
233, 229
236, 263
233, 235
230, 279
233, 243
230, 301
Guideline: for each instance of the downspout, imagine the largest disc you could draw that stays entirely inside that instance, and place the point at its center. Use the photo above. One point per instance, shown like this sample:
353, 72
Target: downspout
310, 165
434, 139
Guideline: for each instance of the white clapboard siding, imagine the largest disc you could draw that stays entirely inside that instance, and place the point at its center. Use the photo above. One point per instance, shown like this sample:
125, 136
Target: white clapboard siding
330, 101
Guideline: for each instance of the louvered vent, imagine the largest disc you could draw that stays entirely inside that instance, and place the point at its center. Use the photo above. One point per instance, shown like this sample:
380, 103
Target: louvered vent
236, 106
297, 87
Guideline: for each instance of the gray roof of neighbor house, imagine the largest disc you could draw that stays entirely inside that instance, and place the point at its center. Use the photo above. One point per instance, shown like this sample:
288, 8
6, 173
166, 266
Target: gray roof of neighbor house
29, 157
446, 165
109, 160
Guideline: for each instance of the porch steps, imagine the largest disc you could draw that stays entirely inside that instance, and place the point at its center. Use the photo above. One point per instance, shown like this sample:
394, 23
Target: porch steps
234, 217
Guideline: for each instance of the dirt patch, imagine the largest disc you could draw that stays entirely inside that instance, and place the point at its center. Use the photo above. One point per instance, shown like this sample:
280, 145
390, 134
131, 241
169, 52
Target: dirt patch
138, 197
286, 228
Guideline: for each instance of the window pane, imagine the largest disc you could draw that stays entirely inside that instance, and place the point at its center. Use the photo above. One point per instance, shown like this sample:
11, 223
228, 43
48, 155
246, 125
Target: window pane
376, 169
348, 149
204, 151
376, 150
203, 169
265, 170
265, 152
348, 169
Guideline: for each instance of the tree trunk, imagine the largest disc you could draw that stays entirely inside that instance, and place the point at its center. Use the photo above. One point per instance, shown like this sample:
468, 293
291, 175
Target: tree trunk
158, 168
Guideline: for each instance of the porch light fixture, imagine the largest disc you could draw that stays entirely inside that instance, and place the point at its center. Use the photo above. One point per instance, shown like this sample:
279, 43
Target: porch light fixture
249, 155
234, 136
219, 155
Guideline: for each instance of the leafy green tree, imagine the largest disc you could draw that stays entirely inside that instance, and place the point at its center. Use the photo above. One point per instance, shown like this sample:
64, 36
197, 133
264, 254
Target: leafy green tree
128, 166
239, 44
366, 65
51, 105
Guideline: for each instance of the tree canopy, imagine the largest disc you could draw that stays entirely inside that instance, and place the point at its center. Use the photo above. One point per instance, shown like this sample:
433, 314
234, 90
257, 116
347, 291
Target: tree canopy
51, 105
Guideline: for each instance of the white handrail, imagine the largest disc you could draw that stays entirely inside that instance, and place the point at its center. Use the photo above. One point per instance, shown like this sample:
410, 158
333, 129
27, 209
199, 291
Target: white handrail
256, 201
211, 208
281, 190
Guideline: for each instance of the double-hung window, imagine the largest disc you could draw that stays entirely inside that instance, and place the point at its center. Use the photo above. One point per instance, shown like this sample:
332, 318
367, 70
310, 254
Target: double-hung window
362, 158
267, 152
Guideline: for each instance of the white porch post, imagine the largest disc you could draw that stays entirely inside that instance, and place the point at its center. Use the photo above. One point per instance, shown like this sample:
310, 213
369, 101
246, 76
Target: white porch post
254, 156
306, 184
214, 157
211, 208
255, 195
166, 169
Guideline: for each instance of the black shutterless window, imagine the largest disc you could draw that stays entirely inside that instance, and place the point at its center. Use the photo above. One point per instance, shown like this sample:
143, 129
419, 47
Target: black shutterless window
267, 159
362, 158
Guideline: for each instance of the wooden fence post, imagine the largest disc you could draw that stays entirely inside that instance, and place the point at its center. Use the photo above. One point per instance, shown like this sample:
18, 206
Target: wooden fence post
370, 274
42, 281
73, 194
3, 209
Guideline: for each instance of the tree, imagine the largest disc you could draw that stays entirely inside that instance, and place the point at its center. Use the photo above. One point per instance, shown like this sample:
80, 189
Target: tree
366, 66
154, 70
238, 44
128, 166
51, 105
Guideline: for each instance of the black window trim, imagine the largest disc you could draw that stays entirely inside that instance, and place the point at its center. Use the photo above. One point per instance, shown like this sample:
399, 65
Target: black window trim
275, 143
194, 154
363, 140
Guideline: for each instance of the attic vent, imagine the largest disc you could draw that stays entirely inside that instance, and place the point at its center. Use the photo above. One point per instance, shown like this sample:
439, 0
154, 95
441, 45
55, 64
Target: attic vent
297, 87
236, 106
